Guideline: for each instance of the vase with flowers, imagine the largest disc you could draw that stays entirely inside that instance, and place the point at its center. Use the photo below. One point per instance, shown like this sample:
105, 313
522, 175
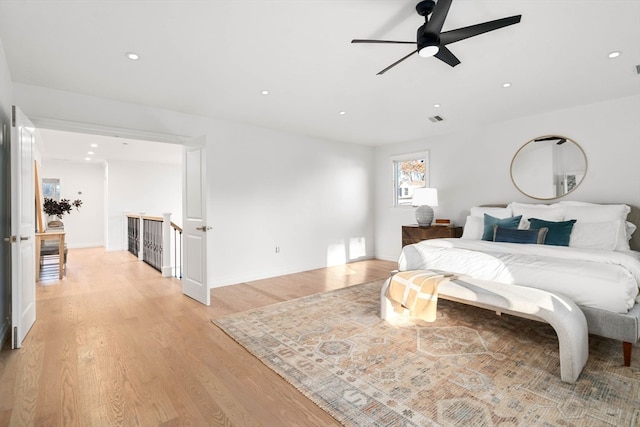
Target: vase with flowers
58, 209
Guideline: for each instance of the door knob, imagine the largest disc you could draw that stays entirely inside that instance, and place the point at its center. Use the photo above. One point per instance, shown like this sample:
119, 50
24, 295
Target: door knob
23, 238
203, 228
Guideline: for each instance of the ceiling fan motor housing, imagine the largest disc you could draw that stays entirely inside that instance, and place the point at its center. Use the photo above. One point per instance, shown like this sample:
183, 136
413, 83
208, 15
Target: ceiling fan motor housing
425, 7
426, 39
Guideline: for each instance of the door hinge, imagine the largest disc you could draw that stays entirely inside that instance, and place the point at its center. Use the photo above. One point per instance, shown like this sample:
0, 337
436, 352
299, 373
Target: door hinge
15, 337
13, 116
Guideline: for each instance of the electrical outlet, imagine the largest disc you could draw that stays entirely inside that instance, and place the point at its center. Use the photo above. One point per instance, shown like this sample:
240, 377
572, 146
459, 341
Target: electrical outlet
277, 249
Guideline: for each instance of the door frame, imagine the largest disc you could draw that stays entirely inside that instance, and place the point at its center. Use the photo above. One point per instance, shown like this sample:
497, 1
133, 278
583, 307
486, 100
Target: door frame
79, 127
5, 223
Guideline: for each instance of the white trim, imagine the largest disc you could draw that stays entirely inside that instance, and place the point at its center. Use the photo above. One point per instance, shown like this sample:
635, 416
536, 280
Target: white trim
410, 156
91, 128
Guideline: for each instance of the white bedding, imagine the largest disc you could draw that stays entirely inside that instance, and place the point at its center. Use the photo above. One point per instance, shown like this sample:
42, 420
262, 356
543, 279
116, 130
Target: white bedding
607, 280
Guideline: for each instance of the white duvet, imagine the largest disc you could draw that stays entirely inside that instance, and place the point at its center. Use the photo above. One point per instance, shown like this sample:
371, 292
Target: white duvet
606, 280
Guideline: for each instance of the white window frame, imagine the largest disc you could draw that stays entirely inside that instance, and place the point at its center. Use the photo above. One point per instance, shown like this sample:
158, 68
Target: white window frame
422, 155
56, 184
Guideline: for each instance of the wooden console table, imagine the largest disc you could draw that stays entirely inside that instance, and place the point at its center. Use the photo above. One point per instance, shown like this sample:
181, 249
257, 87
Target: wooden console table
51, 235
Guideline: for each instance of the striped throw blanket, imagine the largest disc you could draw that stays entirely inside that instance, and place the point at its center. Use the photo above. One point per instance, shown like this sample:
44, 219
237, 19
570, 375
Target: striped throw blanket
417, 291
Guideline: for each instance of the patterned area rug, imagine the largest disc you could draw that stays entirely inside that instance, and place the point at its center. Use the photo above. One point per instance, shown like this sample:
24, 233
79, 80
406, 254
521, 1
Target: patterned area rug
468, 368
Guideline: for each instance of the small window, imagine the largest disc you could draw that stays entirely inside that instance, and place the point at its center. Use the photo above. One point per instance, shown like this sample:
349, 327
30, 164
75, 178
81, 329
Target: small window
51, 188
409, 172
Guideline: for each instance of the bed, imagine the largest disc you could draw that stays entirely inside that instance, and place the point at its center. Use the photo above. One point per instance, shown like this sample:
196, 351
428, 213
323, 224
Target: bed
582, 251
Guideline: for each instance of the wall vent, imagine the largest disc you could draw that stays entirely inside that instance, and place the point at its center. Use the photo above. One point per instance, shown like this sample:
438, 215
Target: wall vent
637, 69
436, 119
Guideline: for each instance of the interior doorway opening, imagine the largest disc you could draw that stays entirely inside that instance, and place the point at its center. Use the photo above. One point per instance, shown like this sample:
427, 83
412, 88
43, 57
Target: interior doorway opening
111, 176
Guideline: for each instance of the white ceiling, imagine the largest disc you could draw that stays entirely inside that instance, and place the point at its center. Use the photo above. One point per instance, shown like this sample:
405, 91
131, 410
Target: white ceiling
213, 58
77, 147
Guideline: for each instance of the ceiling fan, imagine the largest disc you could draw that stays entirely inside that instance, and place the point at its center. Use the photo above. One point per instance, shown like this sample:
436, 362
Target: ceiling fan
431, 42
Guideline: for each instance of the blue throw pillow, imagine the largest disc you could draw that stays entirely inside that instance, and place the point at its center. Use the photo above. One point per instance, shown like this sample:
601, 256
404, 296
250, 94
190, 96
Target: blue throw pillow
559, 232
490, 221
512, 235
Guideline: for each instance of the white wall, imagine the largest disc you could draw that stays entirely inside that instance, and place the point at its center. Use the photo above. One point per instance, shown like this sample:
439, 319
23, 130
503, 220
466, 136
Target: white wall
472, 168
84, 181
136, 187
306, 210
310, 197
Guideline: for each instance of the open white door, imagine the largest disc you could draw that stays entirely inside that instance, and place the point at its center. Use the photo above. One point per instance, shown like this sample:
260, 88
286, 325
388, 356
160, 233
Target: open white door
23, 226
194, 214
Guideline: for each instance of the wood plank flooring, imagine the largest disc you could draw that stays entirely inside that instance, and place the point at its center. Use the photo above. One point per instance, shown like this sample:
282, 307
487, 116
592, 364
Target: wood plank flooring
115, 344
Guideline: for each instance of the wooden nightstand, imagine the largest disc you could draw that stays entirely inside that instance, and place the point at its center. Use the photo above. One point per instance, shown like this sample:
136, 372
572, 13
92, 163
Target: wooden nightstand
414, 233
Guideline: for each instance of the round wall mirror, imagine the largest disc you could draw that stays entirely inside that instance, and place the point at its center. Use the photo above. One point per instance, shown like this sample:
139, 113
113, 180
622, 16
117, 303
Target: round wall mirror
548, 167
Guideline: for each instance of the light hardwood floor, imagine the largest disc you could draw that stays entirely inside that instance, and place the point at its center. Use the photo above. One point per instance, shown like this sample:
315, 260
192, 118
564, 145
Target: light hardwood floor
116, 344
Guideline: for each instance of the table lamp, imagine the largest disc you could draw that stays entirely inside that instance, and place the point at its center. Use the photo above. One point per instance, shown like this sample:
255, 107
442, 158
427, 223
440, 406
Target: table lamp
425, 198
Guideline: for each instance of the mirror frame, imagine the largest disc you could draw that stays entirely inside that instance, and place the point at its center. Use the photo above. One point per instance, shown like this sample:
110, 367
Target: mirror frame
532, 141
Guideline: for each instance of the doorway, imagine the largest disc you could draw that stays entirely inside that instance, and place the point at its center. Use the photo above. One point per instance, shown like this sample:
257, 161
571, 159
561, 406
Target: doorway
111, 175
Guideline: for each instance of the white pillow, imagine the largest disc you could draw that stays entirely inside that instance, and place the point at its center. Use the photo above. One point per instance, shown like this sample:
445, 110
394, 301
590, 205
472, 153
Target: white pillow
601, 213
629, 228
495, 212
545, 212
596, 213
595, 235
473, 228
577, 203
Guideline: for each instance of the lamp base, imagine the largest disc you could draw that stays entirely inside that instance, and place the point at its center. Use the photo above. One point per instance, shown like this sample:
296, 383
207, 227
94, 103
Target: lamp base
424, 216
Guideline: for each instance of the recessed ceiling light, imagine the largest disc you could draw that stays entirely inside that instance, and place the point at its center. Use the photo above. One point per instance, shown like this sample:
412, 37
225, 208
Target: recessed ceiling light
507, 84
90, 152
614, 54
265, 92
436, 105
94, 145
342, 113
132, 56
87, 158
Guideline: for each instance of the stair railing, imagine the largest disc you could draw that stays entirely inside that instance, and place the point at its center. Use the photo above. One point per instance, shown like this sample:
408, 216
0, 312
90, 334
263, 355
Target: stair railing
157, 241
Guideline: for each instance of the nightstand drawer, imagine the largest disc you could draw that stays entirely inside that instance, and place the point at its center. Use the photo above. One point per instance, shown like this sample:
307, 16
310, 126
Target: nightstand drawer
414, 233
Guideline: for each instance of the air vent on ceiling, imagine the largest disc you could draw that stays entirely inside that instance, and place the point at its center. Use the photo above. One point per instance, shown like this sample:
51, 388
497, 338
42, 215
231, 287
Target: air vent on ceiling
436, 119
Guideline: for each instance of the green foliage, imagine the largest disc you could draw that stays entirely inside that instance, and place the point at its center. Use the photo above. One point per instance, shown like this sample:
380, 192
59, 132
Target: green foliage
53, 208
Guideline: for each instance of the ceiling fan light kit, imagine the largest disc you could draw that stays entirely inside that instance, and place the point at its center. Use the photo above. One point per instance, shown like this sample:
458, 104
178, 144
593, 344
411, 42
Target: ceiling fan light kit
428, 51
430, 41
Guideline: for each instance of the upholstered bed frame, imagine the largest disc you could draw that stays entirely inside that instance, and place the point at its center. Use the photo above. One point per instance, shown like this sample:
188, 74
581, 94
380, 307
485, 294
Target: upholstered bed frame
622, 327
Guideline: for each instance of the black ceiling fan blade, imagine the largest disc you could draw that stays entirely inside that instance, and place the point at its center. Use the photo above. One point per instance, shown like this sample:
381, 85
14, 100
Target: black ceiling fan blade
396, 63
438, 16
446, 56
379, 41
560, 139
474, 30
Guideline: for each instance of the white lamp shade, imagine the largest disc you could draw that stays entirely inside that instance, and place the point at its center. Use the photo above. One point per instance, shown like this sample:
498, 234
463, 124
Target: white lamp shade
425, 197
